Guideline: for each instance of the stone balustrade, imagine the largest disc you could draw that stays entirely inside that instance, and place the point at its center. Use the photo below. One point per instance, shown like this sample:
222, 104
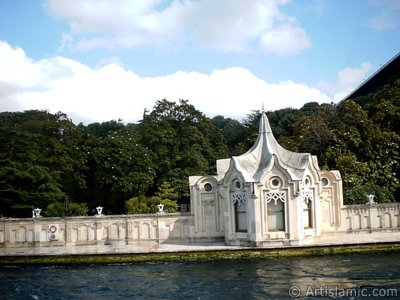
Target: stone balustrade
371, 217
162, 227
96, 230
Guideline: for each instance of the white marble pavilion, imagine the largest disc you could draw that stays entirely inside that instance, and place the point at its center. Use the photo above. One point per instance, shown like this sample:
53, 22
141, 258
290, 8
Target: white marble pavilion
267, 195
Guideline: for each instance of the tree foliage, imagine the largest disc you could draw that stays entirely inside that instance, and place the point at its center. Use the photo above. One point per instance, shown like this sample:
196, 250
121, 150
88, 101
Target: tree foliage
66, 209
46, 159
362, 142
24, 186
234, 132
118, 168
149, 205
183, 142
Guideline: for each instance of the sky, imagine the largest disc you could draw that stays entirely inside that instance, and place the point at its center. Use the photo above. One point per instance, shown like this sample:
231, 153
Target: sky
102, 60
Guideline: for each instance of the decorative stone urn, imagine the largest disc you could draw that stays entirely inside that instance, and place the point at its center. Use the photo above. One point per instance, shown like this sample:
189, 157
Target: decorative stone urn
160, 208
99, 211
36, 213
371, 199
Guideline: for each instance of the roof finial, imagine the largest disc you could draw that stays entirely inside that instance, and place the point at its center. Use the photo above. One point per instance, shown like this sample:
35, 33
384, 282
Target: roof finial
262, 108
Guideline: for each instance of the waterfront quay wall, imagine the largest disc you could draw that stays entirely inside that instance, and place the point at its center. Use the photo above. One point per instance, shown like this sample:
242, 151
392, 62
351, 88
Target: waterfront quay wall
98, 230
371, 217
180, 228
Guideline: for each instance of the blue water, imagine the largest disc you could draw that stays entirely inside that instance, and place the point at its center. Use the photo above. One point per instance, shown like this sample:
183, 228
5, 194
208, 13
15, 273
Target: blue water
234, 279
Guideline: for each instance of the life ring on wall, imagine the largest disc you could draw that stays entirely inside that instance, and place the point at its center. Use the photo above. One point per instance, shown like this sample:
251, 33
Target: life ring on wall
53, 228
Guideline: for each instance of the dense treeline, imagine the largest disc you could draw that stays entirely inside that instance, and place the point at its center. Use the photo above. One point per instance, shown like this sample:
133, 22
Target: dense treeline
49, 162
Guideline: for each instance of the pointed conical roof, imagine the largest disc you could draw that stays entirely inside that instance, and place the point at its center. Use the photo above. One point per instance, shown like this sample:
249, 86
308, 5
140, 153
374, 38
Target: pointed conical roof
266, 150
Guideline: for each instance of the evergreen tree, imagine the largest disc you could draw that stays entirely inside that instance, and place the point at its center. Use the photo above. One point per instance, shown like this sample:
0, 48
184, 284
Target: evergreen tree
183, 142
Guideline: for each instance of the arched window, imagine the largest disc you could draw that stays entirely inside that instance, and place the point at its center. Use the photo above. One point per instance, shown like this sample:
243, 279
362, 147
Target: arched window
240, 217
239, 201
307, 209
275, 210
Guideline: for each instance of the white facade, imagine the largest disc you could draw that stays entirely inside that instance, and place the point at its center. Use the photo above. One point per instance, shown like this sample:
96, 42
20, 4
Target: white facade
267, 195
145, 233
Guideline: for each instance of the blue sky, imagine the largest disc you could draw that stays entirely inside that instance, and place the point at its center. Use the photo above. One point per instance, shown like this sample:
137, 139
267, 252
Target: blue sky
98, 60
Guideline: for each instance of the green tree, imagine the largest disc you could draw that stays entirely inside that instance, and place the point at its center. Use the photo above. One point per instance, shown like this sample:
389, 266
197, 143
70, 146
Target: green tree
67, 209
24, 186
147, 205
46, 140
384, 112
356, 185
384, 109
103, 129
233, 131
183, 142
284, 124
251, 125
377, 151
118, 168
167, 191
313, 132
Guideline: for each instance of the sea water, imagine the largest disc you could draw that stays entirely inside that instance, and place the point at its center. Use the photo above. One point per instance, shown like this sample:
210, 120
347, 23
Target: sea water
366, 276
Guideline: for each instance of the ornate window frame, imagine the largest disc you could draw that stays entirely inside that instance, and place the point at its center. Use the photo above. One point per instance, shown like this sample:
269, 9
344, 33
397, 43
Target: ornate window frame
239, 201
272, 198
307, 200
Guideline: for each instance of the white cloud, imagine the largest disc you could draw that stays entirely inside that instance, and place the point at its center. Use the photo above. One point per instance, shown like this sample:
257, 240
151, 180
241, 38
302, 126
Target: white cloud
224, 25
13, 63
348, 79
111, 91
287, 39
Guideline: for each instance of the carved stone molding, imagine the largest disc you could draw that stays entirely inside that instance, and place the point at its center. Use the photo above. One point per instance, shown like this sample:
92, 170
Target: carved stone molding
239, 197
274, 196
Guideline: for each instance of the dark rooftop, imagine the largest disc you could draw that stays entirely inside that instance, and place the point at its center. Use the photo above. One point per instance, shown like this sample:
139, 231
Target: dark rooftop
387, 74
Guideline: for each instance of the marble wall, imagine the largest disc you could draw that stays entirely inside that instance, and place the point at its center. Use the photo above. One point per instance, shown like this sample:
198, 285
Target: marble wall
76, 231
371, 217
177, 228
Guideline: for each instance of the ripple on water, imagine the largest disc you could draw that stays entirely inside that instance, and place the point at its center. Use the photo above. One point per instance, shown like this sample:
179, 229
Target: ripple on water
236, 279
